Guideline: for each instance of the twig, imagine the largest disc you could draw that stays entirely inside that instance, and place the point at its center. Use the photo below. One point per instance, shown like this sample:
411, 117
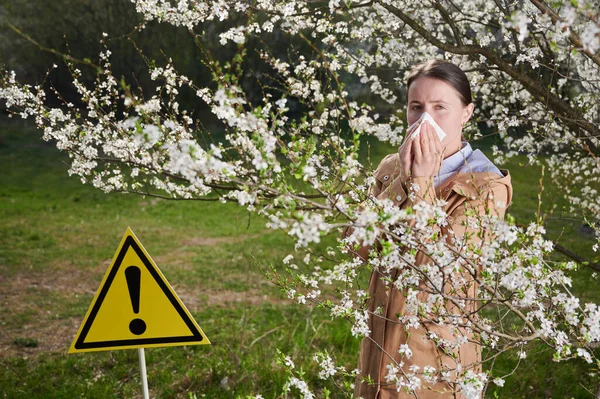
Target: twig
563, 110
50, 50
545, 9
576, 258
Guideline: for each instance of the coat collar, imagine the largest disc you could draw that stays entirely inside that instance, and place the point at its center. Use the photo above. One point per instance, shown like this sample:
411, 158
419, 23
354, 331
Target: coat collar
472, 184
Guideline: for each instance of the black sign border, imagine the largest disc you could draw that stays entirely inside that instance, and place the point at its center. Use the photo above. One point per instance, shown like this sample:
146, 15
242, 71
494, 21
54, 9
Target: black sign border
131, 243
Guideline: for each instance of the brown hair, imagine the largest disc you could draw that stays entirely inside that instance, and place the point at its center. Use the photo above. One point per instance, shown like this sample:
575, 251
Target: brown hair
444, 71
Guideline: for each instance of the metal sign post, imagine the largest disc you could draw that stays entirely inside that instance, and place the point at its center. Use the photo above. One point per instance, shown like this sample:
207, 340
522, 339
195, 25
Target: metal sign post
143, 372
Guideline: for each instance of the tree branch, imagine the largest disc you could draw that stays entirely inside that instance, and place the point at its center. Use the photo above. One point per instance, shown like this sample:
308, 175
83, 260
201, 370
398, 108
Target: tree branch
572, 117
446, 16
573, 38
576, 258
50, 50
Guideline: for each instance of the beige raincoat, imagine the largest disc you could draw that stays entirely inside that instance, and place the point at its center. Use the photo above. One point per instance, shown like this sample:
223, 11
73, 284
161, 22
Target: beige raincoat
464, 193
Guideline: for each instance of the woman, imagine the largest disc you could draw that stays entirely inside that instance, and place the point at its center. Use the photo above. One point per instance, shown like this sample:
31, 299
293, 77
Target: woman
431, 168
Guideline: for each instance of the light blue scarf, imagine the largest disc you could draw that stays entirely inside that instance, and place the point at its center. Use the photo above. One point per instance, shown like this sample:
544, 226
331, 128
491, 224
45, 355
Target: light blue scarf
465, 161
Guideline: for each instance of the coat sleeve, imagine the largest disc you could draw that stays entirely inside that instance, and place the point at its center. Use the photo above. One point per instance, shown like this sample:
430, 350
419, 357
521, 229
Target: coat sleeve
491, 198
478, 197
387, 185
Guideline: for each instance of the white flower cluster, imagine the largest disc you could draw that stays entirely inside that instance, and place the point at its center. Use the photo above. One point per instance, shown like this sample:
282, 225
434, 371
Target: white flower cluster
301, 386
308, 228
328, 368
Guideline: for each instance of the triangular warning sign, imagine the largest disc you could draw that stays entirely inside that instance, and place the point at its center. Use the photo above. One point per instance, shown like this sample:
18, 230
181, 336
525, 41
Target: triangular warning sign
135, 307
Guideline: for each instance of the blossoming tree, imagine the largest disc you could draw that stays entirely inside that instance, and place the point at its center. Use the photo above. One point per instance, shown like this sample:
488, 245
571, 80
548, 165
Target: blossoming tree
535, 71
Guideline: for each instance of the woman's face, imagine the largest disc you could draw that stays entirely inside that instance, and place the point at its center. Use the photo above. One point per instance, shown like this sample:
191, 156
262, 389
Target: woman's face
443, 103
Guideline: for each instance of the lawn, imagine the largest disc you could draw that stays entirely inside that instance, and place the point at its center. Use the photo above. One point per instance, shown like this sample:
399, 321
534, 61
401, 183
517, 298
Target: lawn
57, 238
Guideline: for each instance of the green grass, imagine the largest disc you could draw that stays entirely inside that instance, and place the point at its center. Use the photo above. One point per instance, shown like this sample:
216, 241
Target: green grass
240, 360
58, 236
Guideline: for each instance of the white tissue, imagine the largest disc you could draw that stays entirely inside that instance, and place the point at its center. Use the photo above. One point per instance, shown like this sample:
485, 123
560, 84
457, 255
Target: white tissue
426, 117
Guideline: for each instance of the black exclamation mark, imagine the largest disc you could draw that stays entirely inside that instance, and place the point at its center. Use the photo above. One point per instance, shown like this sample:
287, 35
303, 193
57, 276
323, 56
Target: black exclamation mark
133, 276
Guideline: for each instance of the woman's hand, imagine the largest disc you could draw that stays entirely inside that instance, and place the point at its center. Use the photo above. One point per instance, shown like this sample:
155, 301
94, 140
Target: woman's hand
423, 155
405, 153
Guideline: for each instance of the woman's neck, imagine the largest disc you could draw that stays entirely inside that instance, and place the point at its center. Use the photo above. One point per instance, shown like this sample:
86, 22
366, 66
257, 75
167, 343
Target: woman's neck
453, 148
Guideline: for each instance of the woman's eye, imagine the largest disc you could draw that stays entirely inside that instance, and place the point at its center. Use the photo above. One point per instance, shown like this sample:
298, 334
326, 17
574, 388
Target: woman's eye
416, 107
439, 107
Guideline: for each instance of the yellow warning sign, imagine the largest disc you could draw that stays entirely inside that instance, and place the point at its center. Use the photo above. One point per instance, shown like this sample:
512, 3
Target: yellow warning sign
135, 307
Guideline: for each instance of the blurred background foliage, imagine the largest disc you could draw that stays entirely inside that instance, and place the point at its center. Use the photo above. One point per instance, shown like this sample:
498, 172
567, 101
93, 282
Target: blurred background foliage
75, 27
